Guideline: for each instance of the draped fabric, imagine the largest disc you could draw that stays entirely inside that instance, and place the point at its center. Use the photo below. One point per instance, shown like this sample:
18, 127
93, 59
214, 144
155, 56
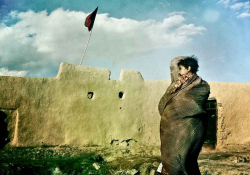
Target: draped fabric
181, 80
90, 19
183, 124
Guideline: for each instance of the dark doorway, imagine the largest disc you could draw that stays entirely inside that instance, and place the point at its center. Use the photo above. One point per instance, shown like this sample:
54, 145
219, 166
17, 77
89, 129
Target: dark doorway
4, 136
211, 137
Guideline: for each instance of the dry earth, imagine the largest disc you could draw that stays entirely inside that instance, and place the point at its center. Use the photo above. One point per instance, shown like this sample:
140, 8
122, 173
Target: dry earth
65, 160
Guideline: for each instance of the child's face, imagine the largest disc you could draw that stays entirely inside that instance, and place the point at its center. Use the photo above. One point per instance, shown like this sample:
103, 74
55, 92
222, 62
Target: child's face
183, 70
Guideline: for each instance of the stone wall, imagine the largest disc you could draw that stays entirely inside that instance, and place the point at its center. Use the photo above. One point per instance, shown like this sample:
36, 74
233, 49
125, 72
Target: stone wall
82, 106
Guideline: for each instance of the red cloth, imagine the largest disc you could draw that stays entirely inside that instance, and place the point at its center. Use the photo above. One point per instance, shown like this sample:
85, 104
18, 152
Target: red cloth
180, 81
90, 19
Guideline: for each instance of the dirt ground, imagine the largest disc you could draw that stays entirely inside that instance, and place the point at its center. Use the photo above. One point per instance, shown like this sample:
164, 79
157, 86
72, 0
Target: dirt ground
66, 160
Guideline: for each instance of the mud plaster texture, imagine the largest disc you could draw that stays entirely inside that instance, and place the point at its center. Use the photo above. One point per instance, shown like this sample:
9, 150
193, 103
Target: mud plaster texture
83, 107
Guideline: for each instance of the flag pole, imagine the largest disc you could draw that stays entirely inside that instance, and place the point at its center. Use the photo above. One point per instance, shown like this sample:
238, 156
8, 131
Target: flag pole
86, 47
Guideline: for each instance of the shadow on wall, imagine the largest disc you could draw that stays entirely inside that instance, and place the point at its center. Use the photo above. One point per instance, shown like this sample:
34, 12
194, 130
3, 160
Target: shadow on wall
4, 133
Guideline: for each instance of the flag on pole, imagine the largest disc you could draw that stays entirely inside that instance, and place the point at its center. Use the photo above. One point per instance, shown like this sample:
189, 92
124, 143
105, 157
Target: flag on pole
89, 22
90, 19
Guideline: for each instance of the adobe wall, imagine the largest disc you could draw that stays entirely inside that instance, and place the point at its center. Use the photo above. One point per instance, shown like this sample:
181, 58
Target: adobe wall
233, 112
57, 111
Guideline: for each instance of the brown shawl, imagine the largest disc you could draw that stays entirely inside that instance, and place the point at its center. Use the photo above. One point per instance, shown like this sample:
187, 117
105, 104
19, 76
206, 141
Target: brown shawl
195, 92
183, 123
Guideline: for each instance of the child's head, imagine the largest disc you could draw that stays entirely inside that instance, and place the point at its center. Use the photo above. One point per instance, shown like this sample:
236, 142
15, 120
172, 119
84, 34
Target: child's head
188, 64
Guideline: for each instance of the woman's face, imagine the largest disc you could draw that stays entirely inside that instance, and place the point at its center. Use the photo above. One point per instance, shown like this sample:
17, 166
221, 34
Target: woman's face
183, 70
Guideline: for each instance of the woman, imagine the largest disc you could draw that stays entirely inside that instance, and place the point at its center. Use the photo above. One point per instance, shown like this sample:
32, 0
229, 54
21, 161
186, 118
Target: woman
183, 118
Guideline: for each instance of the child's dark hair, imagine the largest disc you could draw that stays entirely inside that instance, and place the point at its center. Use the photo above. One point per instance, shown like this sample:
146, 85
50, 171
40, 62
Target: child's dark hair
191, 61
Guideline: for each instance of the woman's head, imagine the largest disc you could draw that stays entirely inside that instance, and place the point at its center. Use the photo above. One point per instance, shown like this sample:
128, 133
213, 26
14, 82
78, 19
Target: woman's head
189, 64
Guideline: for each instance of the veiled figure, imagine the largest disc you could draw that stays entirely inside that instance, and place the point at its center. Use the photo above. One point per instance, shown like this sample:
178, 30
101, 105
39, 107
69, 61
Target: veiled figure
183, 118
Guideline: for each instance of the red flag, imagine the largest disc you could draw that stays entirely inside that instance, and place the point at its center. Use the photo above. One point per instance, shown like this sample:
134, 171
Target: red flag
89, 22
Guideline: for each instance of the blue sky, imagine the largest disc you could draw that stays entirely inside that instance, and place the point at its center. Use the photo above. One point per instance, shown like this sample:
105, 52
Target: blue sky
35, 37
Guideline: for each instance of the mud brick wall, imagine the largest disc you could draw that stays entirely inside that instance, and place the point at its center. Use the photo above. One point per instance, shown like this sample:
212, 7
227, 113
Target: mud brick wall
82, 106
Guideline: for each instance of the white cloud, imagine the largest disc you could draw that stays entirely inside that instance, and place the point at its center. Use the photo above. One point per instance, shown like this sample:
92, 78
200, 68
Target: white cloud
238, 8
188, 30
243, 15
240, 5
13, 14
176, 13
224, 2
38, 39
172, 21
5, 72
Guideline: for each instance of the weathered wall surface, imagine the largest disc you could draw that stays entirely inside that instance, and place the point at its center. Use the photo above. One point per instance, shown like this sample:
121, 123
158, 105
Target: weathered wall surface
233, 112
57, 111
